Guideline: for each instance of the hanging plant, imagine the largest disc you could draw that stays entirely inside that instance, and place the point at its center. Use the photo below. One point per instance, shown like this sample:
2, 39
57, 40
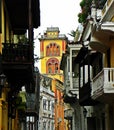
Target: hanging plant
86, 9
82, 4
82, 17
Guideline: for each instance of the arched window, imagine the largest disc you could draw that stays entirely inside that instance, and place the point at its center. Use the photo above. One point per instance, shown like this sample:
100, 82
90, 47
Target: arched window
49, 68
56, 68
53, 66
58, 51
53, 50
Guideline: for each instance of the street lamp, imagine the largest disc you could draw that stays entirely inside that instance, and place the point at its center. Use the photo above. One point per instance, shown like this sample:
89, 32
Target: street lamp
2, 82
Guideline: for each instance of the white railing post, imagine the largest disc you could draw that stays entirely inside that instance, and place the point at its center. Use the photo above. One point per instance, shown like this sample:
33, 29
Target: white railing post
106, 79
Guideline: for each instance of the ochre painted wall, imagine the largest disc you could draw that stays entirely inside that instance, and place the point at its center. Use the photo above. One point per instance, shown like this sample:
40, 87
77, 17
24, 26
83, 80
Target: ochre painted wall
112, 53
5, 36
110, 44
44, 43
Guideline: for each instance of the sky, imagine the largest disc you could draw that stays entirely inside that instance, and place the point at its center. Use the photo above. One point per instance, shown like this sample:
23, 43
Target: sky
57, 13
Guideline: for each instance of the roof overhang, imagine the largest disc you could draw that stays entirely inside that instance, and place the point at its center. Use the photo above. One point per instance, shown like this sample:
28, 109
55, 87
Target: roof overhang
101, 36
18, 11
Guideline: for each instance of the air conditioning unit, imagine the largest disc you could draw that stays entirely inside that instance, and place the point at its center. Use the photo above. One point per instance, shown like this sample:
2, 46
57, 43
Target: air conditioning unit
67, 82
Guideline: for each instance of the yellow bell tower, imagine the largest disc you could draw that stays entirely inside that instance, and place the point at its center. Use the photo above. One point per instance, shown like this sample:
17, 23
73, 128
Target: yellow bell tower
52, 45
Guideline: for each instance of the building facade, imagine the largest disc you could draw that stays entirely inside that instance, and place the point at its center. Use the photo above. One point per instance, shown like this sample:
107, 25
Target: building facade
96, 93
47, 100
16, 59
95, 66
73, 113
52, 45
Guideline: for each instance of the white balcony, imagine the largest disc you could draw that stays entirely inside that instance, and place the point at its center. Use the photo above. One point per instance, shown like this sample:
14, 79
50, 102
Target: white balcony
104, 29
73, 88
101, 35
103, 86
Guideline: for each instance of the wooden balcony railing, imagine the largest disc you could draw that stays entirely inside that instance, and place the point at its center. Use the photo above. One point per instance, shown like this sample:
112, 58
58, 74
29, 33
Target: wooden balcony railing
16, 52
85, 95
18, 65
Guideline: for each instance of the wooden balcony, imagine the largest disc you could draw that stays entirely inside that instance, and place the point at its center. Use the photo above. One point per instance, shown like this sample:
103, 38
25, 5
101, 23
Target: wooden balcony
103, 86
85, 58
32, 105
17, 65
85, 95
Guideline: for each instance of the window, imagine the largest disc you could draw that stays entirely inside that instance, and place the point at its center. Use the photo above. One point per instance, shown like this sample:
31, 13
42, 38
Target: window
52, 107
53, 66
49, 68
56, 67
44, 104
44, 125
85, 74
52, 126
48, 105
48, 125
52, 50
68, 64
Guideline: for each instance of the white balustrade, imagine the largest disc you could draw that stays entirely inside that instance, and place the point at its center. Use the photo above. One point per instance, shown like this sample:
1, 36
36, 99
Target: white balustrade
104, 82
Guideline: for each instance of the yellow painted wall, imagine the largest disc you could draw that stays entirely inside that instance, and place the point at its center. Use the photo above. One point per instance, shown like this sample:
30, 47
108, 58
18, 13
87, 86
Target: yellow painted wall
2, 38
111, 47
112, 52
45, 59
5, 21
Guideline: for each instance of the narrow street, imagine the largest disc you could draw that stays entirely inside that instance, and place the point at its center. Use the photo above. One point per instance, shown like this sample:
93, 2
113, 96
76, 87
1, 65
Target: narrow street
63, 84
